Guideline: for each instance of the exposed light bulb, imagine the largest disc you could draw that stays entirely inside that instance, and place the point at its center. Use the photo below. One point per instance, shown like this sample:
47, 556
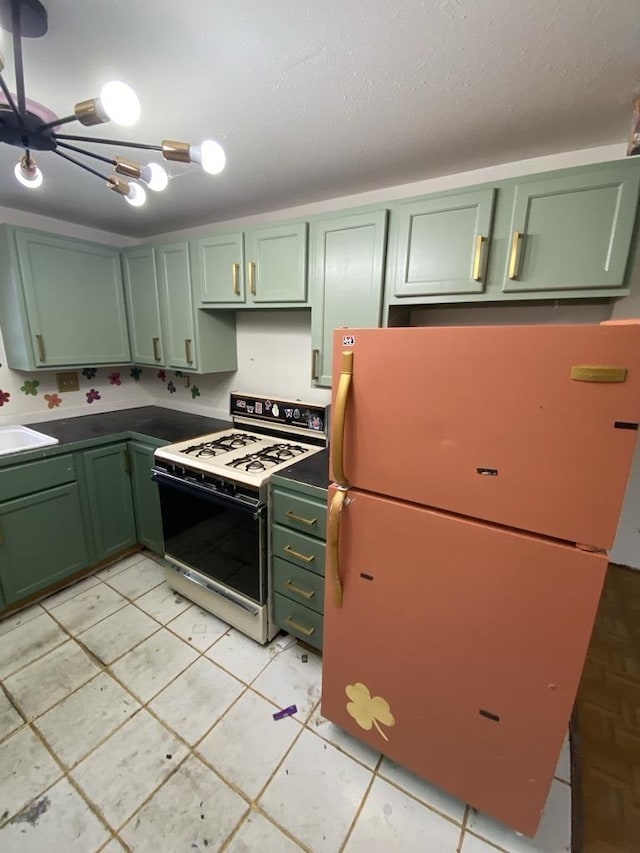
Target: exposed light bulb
119, 103
154, 176
210, 155
28, 173
136, 196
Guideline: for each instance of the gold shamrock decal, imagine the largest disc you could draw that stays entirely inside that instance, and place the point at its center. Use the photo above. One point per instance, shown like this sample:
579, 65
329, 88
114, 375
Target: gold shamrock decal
368, 711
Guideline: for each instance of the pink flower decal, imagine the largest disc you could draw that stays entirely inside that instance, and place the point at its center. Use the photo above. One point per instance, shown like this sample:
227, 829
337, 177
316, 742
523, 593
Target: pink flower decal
4, 397
162, 374
53, 400
114, 379
92, 395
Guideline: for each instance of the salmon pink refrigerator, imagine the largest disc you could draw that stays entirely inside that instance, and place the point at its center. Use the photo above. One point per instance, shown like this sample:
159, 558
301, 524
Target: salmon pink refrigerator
478, 477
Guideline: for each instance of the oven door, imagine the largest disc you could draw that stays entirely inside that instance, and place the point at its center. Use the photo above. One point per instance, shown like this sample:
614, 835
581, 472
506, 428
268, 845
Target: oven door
217, 535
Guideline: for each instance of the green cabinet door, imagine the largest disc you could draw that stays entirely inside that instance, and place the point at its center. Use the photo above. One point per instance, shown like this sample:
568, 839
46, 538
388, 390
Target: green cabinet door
74, 300
572, 231
146, 500
218, 268
106, 471
176, 298
442, 243
42, 541
345, 272
143, 305
276, 260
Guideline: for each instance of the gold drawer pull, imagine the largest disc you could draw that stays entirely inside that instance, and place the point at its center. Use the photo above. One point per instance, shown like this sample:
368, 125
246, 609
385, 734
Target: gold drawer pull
252, 277
315, 355
298, 627
235, 273
305, 593
478, 258
289, 550
514, 258
310, 521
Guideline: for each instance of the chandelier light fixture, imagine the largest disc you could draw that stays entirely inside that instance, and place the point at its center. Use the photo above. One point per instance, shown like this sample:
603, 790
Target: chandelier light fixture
31, 126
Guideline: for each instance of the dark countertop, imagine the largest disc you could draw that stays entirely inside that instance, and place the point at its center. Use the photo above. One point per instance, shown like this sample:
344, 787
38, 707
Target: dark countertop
153, 421
314, 471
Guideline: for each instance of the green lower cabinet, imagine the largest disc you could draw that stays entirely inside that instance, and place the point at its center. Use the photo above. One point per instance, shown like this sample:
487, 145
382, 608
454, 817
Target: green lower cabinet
43, 541
107, 480
146, 499
298, 620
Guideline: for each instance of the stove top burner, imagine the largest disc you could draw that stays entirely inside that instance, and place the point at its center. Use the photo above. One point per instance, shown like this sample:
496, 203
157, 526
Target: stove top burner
221, 445
266, 458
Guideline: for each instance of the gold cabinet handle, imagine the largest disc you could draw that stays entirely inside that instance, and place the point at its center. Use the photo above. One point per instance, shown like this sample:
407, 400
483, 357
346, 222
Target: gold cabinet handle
187, 350
333, 542
337, 439
305, 593
156, 352
235, 278
42, 355
478, 258
302, 628
315, 357
289, 550
514, 257
251, 269
300, 518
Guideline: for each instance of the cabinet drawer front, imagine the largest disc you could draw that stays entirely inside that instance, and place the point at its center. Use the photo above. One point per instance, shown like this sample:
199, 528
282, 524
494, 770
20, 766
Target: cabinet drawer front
300, 585
299, 549
300, 513
36, 476
298, 620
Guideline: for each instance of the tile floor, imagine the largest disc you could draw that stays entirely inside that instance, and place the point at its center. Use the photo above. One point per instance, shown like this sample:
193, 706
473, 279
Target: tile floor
132, 720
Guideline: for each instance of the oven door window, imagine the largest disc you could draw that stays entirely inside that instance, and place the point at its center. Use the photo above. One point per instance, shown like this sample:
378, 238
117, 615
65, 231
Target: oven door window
216, 537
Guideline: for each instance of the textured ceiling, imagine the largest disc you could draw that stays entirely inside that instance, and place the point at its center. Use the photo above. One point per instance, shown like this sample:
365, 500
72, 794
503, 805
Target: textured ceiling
313, 99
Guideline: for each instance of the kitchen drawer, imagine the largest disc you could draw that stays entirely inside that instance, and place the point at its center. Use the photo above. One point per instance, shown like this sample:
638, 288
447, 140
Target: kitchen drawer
298, 620
36, 476
300, 513
300, 585
297, 548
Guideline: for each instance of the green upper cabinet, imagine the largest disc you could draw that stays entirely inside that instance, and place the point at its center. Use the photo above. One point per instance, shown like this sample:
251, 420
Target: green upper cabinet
345, 274
572, 232
143, 305
264, 267
61, 301
442, 243
177, 300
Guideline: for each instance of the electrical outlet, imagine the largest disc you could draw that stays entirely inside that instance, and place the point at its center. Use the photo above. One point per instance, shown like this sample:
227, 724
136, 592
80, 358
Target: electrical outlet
68, 381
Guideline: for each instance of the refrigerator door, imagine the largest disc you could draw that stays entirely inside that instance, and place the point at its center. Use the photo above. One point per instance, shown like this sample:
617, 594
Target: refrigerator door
457, 648
489, 423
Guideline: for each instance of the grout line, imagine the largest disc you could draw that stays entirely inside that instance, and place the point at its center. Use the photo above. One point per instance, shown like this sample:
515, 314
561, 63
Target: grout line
463, 828
358, 812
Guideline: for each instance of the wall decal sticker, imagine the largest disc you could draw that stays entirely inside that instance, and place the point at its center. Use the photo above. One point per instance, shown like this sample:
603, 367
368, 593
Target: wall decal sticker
53, 400
30, 387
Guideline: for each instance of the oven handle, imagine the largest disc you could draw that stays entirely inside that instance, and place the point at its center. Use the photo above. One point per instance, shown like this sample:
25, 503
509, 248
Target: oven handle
160, 476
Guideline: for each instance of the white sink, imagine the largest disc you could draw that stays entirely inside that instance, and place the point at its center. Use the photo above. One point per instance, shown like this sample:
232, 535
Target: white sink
13, 439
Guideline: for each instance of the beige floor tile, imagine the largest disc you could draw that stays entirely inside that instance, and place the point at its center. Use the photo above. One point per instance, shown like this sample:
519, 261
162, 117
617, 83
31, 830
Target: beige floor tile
149, 667
84, 610
45, 682
79, 723
69, 592
60, 820
247, 744
137, 579
197, 698
20, 618
343, 740
316, 793
27, 771
163, 603
473, 844
419, 788
29, 641
289, 681
120, 565
242, 656
193, 810
114, 846
120, 774
10, 719
259, 834
119, 633
199, 628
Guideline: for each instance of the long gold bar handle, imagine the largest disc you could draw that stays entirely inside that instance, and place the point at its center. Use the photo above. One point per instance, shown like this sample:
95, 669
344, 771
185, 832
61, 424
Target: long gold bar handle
235, 278
289, 550
514, 258
305, 593
187, 350
342, 395
156, 353
41, 350
302, 628
333, 542
315, 356
300, 518
478, 258
251, 269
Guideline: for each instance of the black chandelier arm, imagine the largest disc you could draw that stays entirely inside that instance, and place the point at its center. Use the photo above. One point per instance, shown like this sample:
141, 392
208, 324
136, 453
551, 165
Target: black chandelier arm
17, 56
82, 165
101, 141
65, 120
79, 150
9, 98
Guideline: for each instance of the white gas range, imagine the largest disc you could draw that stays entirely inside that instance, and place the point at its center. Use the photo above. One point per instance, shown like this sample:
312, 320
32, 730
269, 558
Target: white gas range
214, 499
